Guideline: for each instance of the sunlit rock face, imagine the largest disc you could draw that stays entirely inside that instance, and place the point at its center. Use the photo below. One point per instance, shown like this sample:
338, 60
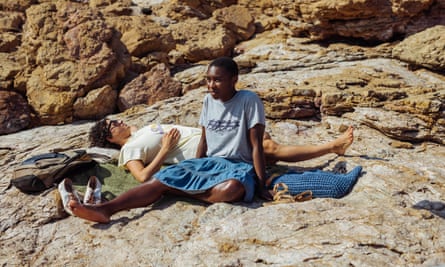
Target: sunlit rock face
318, 66
58, 52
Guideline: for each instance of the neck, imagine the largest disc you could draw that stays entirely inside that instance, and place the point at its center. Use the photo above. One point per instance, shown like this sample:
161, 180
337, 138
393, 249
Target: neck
232, 94
124, 140
121, 142
132, 130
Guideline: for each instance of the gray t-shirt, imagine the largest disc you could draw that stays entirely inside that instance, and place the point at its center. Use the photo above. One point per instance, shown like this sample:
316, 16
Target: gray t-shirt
227, 124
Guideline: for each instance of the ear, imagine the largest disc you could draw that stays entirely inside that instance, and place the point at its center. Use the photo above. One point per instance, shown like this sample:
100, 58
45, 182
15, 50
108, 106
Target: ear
110, 139
234, 80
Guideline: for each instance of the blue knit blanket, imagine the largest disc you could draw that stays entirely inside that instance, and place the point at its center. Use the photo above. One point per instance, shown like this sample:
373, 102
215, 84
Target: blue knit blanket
323, 184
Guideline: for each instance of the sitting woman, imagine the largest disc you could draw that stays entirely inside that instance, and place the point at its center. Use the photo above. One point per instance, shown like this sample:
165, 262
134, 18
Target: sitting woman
143, 151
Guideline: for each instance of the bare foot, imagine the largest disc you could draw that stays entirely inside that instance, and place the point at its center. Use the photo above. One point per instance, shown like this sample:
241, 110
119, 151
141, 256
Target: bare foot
342, 143
90, 213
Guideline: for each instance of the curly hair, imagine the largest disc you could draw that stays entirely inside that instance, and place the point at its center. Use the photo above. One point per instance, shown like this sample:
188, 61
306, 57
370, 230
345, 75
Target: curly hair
99, 133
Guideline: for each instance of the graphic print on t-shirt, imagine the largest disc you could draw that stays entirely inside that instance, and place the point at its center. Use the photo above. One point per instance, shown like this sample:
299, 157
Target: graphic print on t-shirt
221, 126
156, 128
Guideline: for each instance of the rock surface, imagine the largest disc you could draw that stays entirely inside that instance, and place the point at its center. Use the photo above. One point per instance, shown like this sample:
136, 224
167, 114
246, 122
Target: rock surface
14, 112
391, 93
149, 87
390, 216
56, 52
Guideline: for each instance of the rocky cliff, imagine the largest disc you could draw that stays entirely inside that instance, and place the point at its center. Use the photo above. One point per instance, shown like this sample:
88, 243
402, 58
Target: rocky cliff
318, 66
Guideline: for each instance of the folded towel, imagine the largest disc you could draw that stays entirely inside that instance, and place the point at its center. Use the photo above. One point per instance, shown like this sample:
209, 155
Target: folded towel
323, 184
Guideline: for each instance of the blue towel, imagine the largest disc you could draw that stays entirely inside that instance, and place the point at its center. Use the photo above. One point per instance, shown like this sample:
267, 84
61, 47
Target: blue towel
321, 183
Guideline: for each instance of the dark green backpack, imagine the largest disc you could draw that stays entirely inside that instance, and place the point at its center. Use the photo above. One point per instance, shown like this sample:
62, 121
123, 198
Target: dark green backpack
41, 172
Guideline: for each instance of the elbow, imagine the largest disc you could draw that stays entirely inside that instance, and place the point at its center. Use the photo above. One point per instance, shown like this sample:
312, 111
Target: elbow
145, 178
140, 179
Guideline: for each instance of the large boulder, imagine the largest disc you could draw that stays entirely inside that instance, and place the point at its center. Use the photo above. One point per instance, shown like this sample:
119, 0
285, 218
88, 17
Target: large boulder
369, 19
141, 35
149, 88
238, 20
72, 52
65, 49
180, 10
10, 67
10, 28
16, 5
14, 112
424, 49
96, 104
198, 40
336, 83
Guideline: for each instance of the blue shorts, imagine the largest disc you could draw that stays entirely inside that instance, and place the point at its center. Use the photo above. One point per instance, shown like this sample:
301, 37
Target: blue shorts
195, 176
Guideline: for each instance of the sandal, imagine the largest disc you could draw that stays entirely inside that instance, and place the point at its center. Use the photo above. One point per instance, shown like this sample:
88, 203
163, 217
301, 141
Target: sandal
67, 193
281, 195
93, 192
304, 196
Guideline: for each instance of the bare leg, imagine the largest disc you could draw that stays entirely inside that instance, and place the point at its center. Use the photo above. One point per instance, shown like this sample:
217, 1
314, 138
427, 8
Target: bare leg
293, 153
228, 191
148, 193
140, 196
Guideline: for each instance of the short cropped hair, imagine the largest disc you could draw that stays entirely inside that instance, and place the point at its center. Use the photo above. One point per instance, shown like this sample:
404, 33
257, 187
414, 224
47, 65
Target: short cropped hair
227, 63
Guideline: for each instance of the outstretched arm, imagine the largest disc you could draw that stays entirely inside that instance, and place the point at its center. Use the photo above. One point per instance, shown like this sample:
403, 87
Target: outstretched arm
144, 173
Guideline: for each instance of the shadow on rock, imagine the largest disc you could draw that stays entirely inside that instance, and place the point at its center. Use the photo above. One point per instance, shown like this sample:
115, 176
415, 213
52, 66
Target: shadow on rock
435, 207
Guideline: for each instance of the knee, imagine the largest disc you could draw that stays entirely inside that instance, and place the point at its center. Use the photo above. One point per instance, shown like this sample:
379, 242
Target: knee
154, 183
231, 191
271, 149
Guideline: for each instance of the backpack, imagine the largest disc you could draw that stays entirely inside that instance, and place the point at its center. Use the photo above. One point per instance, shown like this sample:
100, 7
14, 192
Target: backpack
41, 172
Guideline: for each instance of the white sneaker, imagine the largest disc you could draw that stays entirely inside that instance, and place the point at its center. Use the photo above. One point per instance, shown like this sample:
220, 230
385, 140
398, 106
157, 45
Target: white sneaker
93, 194
67, 193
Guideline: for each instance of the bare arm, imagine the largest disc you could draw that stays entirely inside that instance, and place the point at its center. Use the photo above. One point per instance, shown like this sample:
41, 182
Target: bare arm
144, 173
256, 140
201, 152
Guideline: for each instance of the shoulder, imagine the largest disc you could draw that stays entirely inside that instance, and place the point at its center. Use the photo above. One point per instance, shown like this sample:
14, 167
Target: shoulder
245, 92
137, 135
207, 97
249, 96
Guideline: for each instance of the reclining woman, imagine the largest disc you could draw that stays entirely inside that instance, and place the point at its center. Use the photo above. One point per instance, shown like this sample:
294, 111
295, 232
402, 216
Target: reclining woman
143, 151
